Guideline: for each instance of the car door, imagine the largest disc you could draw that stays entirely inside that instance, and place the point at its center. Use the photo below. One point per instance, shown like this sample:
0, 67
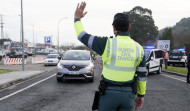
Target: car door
153, 62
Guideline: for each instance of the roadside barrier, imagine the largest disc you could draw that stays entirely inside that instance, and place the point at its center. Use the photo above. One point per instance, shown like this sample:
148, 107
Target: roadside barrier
38, 60
13, 61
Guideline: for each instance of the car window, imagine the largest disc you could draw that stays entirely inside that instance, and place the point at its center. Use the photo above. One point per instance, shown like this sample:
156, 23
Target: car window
52, 56
72, 55
146, 53
158, 54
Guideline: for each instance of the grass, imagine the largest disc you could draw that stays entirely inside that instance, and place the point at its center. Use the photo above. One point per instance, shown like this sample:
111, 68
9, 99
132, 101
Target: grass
5, 71
177, 69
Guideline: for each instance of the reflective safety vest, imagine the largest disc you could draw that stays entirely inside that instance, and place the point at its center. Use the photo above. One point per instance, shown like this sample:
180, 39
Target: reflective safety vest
121, 57
166, 55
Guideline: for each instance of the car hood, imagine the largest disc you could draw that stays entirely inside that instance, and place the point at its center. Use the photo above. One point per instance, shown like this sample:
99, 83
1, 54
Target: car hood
75, 62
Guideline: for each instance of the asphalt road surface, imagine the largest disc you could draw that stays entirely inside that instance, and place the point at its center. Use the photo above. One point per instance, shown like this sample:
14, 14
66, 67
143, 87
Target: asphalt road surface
165, 92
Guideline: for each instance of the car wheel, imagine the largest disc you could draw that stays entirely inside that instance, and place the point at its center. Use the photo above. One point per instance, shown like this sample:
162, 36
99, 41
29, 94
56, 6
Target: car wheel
159, 70
0, 58
59, 80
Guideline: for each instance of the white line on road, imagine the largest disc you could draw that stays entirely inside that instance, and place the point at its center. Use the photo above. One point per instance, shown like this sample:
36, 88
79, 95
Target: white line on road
12, 94
173, 77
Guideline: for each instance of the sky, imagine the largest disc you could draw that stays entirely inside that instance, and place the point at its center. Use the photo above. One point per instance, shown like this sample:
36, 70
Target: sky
43, 16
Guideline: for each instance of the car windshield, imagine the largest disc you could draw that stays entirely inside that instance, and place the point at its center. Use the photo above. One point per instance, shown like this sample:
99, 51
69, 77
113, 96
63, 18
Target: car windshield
176, 53
12, 52
77, 55
52, 56
146, 53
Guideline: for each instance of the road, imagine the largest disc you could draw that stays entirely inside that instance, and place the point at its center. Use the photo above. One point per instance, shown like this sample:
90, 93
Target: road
165, 92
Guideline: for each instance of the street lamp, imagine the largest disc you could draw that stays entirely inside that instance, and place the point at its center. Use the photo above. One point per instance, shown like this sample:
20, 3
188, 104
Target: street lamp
22, 32
58, 33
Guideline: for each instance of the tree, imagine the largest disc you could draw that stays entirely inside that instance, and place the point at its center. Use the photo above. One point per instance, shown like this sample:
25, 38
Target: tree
142, 28
168, 35
181, 32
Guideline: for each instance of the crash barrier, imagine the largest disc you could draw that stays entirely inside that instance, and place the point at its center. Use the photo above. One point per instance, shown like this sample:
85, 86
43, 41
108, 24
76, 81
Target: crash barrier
37, 60
13, 61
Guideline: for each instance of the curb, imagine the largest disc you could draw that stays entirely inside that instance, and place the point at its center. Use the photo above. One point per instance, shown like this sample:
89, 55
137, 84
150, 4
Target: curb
20, 80
175, 73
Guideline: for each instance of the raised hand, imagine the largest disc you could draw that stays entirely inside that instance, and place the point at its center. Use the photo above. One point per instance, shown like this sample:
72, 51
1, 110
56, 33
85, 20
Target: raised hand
79, 13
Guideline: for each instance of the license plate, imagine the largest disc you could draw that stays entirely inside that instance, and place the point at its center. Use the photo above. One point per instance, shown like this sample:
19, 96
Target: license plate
175, 57
73, 72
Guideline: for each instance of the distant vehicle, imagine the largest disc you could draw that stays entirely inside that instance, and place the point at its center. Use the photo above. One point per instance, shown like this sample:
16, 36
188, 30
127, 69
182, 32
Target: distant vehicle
30, 54
76, 64
15, 54
51, 59
154, 60
3, 55
177, 57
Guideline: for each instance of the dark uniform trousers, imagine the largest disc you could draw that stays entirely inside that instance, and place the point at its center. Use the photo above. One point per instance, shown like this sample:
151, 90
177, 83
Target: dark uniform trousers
117, 100
188, 74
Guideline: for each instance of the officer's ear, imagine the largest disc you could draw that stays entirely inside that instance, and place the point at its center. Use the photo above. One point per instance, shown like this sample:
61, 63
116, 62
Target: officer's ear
114, 29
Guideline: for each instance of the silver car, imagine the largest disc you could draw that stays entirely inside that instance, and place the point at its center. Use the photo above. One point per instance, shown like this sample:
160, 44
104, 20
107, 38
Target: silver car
76, 64
51, 59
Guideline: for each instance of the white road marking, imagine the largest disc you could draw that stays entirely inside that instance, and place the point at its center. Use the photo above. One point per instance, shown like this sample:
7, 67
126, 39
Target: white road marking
173, 78
12, 94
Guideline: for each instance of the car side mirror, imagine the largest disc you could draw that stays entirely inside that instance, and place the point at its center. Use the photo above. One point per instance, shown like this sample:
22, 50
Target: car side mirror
152, 58
59, 57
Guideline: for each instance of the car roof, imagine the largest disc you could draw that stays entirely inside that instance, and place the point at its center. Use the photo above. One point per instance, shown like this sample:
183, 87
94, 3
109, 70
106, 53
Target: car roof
153, 49
53, 54
77, 51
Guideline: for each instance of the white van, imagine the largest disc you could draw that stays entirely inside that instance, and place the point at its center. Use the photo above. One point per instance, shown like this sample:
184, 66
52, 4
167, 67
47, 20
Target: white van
154, 60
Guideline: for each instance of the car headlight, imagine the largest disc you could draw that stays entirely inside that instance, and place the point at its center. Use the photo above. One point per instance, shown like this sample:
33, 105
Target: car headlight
89, 67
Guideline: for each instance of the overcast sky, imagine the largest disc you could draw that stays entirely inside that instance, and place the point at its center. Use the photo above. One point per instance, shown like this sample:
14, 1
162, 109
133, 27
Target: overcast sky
45, 14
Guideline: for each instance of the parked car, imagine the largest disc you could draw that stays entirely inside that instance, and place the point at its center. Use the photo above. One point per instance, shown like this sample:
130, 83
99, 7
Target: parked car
2, 54
76, 64
154, 60
177, 57
15, 54
51, 59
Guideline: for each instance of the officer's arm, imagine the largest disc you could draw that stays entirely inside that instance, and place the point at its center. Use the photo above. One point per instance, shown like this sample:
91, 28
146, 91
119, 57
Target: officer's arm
142, 77
95, 43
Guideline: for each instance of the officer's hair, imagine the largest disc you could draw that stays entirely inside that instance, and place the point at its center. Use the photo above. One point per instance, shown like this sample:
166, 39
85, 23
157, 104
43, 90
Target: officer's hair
121, 24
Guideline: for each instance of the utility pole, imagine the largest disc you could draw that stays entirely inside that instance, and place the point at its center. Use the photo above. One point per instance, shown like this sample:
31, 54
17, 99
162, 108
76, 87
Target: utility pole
33, 33
2, 34
22, 30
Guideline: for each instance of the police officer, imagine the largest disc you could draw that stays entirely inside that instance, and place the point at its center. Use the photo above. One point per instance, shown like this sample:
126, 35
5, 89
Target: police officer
188, 67
122, 59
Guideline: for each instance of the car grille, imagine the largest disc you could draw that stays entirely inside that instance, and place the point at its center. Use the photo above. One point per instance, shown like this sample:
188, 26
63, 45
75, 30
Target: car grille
77, 68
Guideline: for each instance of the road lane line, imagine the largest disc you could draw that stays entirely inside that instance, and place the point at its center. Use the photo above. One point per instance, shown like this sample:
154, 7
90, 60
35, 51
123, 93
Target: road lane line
173, 78
12, 94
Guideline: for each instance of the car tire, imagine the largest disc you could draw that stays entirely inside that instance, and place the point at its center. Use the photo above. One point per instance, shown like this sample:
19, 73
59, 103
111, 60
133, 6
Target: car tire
0, 58
59, 80
159, 70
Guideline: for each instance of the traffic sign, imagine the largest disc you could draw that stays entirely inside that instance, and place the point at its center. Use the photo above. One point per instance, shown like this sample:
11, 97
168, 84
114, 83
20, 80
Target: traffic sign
163, 45
47, 40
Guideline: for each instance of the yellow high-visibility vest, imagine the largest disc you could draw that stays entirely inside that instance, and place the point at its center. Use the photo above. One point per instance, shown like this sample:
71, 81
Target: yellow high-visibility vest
120, 58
